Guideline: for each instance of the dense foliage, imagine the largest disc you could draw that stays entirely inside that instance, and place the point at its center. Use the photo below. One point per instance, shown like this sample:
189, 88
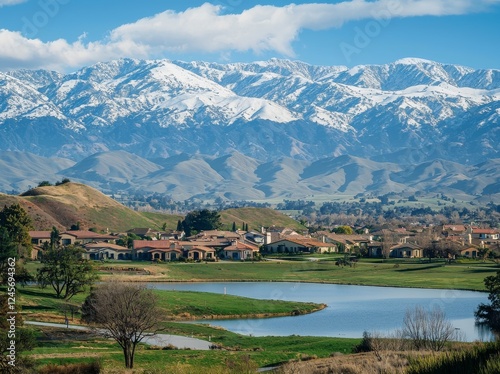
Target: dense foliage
200, 220
64, 269
17, 224
489, 314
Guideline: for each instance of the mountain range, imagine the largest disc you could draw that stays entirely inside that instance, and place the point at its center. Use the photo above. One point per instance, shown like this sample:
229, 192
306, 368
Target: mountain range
260, 130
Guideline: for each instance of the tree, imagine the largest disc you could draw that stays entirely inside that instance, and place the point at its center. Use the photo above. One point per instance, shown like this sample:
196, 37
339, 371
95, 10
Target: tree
489, 314
200, 220
347, 230
44, 184
233, 229
75, 226
54, 237
64, 269
8, 250
64, 181
125, 312
389, 240
427, 330
179, 226
17, 223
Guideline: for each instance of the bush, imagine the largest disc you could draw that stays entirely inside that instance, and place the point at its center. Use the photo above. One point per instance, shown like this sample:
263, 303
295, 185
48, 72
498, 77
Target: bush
94, 367
482, 360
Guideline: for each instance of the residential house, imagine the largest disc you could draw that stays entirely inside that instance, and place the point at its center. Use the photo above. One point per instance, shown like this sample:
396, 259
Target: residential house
240, 251
274, 233
346, 243
375, 249
200, 253
484, 237
83, 237
483, 234
406, 250
106, 251
470, 252
40, 237
300, 244
145, 249
143, 232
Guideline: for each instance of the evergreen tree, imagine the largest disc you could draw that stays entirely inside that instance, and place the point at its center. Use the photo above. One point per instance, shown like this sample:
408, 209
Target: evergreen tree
18, 224
201, 220
234, 227
54, 237
8, 249
489, 314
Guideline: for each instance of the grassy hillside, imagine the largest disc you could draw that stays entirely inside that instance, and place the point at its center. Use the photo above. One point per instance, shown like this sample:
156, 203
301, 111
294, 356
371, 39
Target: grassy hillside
69, 203
257, 217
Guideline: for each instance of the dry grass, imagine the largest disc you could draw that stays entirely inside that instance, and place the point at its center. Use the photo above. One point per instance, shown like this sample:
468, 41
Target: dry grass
362, 363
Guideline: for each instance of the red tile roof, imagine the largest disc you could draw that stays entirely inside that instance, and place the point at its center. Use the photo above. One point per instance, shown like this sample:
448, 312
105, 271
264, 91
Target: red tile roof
157, 244
40, 234
82, 234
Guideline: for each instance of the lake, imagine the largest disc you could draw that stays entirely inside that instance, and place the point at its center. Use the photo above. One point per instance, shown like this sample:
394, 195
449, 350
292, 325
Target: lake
351, 309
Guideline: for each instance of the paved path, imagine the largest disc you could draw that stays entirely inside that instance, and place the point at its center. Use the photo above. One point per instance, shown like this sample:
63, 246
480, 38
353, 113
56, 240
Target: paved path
161, 340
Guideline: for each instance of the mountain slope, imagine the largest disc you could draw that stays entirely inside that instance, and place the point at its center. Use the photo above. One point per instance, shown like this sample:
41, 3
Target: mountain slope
69, 203
265, 110
239, 177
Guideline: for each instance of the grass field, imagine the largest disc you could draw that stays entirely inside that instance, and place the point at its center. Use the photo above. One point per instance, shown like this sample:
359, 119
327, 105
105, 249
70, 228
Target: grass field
41, 304
62, 346
415, 273
55, 347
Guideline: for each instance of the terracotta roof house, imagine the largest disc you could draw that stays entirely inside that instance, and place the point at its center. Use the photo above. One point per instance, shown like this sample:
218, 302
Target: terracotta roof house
143, 232
348, 242
406, 250
240, 251
485, 234
457, 229
84, 237
106, 251
296, 245
216, 234
40, 237
199, 253
470, 252
142, 249
164, 254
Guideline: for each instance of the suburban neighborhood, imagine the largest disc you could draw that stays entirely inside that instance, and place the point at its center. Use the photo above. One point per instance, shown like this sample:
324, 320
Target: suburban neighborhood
214, 245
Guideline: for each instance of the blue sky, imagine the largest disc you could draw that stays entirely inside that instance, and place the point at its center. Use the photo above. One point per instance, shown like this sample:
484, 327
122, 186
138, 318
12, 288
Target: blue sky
67, 34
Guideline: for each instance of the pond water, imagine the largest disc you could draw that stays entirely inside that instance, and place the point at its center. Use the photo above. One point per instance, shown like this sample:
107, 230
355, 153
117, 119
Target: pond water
351, 309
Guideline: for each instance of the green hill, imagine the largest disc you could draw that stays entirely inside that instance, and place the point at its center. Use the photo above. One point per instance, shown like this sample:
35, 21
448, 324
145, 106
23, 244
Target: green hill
69, 203
64, 205
257, 217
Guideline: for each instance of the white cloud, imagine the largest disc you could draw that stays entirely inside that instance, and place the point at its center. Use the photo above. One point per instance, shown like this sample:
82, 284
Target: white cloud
11, 2
207, 29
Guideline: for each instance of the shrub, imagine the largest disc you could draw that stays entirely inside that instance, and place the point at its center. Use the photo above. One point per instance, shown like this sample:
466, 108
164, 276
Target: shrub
94, 367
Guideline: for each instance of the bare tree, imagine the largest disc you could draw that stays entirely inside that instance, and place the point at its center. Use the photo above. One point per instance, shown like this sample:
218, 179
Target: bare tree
440, 330
389, 240
125, 312
427, 330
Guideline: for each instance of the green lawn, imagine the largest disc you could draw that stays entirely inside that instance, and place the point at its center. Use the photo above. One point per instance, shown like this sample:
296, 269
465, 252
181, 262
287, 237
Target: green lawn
62, 346
203, 304
420, 274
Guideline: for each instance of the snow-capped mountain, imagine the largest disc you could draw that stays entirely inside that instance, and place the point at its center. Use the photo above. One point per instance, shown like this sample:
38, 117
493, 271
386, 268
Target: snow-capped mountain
277, 108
